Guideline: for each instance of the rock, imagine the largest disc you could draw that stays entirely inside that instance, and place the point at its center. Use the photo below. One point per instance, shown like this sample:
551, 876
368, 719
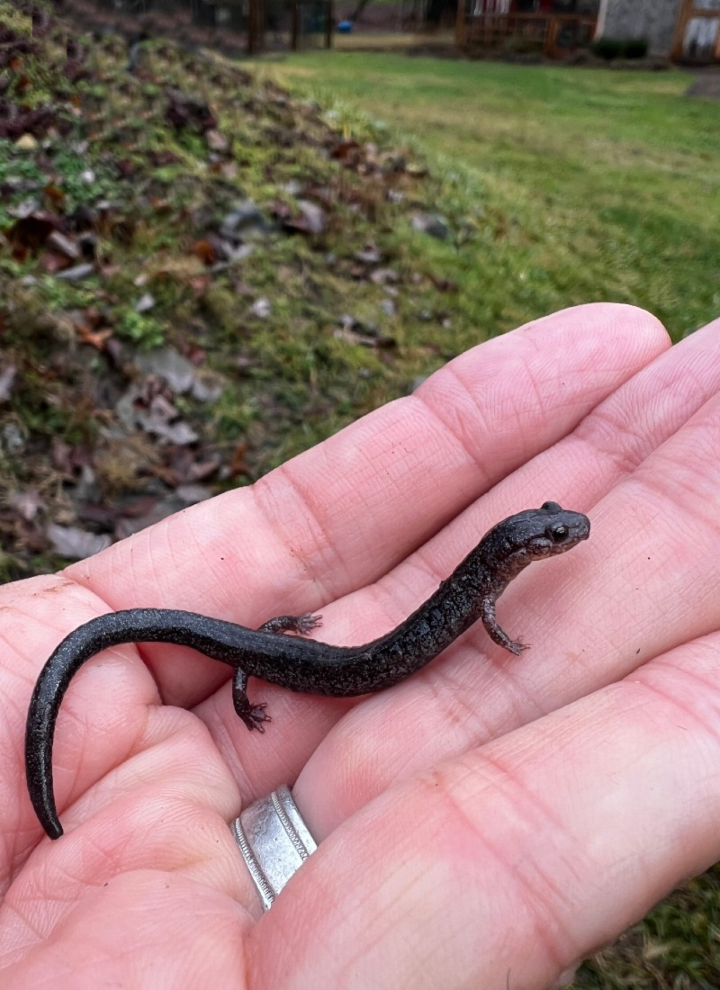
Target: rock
170, 365
144, 303
27, 503
26, 142
261, 307
432, 224
13, 438
314, 216
369, 255
244, 220
76, 273
216, 141
7, 380
384, 276
65, 245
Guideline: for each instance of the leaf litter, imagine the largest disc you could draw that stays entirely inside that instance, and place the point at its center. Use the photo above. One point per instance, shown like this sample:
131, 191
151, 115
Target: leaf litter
199, 275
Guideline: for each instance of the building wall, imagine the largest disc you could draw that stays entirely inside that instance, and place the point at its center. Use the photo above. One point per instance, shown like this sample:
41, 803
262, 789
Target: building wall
653, 20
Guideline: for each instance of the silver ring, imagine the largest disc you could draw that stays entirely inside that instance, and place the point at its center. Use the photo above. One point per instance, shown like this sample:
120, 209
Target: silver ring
274, 842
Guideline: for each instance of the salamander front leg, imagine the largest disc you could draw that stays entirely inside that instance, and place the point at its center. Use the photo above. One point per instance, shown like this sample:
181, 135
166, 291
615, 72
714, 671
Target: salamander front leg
252, 715
302, 624
496, 634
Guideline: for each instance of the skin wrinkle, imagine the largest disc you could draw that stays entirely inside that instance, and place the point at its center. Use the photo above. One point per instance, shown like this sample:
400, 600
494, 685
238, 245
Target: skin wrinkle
392, 909
679, 495
662, 369
223, 740
135, 795
348, 581
677, 498
384, 603
364, 948
64, 584
525, 363
525, 698
330, 562
549, 937
510, 786
475, 729
674, 702
166, 550
84, 729
480, 425
606, 436
12, 919
366, 454
10, 668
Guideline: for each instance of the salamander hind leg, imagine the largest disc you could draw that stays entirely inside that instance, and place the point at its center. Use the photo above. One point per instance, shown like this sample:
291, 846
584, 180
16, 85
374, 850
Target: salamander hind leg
302, 624
252, 715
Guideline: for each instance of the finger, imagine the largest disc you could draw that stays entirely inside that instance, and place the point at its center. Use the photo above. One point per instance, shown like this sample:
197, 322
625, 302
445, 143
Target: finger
508, 865
646, 581
143, 929
105, 721
460, 701
165, 805
327, 523
34, 615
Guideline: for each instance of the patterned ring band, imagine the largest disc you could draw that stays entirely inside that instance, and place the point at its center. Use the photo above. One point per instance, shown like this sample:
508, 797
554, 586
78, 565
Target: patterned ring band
274, 842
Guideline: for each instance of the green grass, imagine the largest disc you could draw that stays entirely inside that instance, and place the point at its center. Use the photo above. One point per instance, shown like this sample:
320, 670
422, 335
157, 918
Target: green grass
586, 184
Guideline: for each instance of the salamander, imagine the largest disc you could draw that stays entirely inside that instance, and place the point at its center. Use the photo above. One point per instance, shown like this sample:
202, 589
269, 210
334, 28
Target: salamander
299, 664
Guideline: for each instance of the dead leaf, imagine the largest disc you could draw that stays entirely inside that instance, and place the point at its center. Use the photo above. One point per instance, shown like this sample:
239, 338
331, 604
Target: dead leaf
205, 252
184, 111
7, 380
238, 464
27, 503
384, 276
96, 338
369, 255
365, 338
216, 141
341, 152
75, 543
32, 231
53, 262
309, 220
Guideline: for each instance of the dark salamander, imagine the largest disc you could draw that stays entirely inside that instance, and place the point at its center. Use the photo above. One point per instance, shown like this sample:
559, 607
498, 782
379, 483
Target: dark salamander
299, 664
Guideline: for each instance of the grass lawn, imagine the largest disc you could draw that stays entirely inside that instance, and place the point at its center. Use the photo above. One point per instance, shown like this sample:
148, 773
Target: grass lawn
577, 185
585, 184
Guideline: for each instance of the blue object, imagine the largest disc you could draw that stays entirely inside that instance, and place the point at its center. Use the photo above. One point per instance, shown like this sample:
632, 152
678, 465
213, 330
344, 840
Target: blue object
345, 27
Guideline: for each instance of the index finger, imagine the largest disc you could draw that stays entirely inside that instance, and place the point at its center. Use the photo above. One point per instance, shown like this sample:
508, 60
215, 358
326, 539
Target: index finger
337, 517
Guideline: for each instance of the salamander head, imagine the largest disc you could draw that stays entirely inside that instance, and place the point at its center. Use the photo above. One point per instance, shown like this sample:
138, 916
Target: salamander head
543, 532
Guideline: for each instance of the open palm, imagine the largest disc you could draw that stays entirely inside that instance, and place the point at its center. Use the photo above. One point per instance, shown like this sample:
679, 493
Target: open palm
487, 822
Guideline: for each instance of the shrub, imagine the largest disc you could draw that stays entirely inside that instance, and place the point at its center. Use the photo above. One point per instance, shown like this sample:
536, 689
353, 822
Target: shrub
636, 48
610, 48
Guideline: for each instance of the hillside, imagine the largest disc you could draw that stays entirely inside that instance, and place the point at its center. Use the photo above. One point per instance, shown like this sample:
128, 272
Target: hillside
199, 276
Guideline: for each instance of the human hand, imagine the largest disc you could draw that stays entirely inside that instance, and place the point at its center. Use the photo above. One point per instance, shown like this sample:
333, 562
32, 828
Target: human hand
485, 823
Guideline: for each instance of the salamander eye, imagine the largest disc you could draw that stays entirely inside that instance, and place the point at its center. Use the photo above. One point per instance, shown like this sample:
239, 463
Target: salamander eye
557, 533
551, 507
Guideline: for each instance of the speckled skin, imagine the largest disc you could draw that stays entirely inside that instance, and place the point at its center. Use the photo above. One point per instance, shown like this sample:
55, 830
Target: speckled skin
468, 594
